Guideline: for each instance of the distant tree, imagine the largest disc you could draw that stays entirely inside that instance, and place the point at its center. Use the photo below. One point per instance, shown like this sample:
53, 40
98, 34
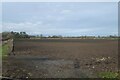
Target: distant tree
54, 36
98, 36
20, 35
6, 35
49, 36
41, 36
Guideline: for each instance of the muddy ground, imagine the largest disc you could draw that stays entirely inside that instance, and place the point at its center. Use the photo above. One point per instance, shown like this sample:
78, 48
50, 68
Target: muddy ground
62, 58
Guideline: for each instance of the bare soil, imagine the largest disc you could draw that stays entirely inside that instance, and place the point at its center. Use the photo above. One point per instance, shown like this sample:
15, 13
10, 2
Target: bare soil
61, 58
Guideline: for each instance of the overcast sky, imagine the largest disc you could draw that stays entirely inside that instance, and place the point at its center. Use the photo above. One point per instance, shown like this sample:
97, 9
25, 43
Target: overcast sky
63, 18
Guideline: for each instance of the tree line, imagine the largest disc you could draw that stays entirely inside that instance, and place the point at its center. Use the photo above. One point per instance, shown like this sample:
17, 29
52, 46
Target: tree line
7, 35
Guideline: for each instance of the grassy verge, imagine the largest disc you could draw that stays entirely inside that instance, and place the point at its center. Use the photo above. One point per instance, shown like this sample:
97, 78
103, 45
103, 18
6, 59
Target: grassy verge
0, 51
108, 75
4, 50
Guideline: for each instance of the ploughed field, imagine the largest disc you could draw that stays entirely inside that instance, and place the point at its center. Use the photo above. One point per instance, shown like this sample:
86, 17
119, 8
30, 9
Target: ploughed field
61, 58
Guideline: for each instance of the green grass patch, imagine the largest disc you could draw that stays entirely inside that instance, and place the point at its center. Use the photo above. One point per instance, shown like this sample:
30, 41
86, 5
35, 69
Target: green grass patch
4, 49
108, 75
0, 51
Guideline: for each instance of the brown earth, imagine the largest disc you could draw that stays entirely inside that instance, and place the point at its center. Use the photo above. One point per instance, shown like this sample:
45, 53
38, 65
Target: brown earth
61, 58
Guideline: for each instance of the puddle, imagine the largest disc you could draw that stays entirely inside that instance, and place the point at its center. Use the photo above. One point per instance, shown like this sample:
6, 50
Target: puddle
58, 62
33, 58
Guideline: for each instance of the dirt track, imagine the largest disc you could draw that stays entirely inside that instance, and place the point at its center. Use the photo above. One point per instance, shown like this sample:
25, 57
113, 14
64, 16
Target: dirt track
62, 58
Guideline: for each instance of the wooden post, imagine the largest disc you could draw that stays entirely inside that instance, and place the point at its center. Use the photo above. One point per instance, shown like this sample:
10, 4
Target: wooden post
13, 47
